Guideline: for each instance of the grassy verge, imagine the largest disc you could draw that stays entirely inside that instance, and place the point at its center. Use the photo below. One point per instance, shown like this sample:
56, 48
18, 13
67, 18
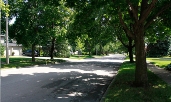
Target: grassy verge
161, 62
16, 62
121, 89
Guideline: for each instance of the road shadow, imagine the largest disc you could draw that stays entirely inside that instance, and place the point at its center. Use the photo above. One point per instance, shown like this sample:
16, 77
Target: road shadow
66, 82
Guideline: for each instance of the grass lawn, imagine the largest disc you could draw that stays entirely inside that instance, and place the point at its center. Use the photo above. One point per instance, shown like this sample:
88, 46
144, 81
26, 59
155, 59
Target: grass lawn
161, 62
122, 90
16, 62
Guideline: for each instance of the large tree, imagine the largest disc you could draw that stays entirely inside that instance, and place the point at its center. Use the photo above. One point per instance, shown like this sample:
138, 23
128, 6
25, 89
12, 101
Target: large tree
27, 29
126, 41
142, 13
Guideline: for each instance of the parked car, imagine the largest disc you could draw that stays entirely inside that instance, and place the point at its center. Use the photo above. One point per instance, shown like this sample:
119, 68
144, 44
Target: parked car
29, 53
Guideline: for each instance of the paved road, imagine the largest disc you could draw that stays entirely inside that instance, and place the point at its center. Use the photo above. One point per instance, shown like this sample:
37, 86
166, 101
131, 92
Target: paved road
74, 81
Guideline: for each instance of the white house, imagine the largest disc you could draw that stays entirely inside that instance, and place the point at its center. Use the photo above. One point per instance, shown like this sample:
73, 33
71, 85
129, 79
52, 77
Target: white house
13, 47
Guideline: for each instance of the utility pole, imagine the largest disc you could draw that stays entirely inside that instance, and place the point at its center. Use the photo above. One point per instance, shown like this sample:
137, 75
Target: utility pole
7, 52
0, 29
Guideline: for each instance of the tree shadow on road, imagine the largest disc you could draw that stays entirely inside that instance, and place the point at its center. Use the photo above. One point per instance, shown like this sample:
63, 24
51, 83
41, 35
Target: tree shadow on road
69, 81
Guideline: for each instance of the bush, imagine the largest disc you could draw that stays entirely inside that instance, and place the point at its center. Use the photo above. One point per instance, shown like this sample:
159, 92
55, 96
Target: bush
169, 53
168, 67
161, 48
13, 53
2, 49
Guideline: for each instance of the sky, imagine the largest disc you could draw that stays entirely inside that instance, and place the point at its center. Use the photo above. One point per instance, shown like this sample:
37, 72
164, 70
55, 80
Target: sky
12, 21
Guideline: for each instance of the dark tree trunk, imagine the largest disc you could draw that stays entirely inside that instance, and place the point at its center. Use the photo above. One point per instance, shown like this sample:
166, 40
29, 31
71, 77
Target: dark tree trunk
141, 78
131, 60
101, 50
89, 52
33, 52
130, 50
52, 48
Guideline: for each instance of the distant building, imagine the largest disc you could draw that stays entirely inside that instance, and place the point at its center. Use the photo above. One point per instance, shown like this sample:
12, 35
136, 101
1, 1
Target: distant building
13, 47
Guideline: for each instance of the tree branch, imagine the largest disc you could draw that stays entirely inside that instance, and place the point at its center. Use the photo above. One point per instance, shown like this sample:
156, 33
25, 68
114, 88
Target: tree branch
146, 9
132, 11
121, 40
157, 14
125, 26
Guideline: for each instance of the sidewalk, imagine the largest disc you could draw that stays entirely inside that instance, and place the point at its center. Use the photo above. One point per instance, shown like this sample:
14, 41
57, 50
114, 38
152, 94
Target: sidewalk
162, 73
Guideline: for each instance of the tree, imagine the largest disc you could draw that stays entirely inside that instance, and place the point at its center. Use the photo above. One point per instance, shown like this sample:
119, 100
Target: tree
142, 14
27, 24
5, 12
56, 20
126, 41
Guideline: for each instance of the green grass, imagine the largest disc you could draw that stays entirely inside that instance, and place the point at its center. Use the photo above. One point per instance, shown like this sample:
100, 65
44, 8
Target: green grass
17, 62
161, 62
122, 90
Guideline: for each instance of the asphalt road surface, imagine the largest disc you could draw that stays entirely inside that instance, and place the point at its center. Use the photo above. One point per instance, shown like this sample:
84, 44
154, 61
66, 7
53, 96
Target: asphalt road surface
72, 81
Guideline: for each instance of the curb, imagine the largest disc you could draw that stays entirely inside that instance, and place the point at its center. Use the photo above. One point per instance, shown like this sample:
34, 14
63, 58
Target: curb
103, 97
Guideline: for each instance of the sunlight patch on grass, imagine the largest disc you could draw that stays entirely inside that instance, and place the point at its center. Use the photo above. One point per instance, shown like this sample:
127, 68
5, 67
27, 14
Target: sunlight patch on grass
161, 62
17, 62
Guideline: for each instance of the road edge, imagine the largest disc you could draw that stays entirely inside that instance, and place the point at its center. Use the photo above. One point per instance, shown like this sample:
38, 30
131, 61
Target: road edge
103, 97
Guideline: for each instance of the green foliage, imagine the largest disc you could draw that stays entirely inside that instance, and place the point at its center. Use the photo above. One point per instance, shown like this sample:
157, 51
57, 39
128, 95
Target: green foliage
168, 67
4, 7
80, 43
158, 49
159, 30
62, 49
2, 49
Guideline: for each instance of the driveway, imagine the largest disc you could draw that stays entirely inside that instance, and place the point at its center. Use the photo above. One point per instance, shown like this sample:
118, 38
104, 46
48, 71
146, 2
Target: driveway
72, 81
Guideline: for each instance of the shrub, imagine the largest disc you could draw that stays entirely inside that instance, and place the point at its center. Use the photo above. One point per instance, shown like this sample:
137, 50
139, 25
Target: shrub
13, 53
161, 48
2, 49
168, 67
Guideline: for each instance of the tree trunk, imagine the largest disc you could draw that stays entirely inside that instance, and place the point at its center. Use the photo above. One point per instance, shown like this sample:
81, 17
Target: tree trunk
131, 60
52, 48
101, 52
130, 50
89, 52
33, 52
141, 78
